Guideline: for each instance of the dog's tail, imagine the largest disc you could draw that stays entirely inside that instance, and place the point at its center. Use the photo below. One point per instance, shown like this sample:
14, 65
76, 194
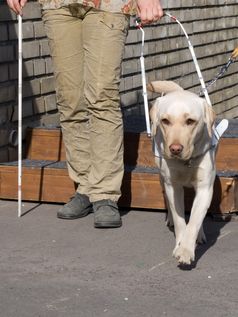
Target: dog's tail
163, 86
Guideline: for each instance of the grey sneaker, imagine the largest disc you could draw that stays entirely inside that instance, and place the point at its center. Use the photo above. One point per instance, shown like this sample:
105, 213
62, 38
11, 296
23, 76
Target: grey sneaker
106, 214
79, 206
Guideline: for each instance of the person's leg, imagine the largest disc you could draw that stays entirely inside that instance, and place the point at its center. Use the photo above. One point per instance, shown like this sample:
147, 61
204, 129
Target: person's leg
104, 38
64, 32
95, 159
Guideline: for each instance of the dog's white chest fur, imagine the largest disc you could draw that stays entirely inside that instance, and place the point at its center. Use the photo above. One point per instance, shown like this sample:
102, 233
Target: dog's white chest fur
190, 173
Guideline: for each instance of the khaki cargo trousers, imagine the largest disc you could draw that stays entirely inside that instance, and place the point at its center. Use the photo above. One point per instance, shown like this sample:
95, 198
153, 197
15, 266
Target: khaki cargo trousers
87, 48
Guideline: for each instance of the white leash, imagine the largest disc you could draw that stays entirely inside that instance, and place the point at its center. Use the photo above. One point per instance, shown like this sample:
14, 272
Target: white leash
219, 130
19, 115
204, 89
223, 124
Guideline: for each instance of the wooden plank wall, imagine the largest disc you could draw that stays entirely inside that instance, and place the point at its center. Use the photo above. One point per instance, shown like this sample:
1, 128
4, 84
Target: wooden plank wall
212, 26
39, 102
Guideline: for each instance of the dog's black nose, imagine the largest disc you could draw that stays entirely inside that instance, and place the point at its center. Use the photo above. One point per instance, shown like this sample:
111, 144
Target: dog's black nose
176, 149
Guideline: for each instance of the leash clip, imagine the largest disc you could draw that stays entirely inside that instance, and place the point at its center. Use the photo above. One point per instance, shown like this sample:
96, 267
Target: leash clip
138, 22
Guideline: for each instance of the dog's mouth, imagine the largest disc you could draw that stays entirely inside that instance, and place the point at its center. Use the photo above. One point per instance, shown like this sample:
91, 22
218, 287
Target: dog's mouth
183, 156
177, 157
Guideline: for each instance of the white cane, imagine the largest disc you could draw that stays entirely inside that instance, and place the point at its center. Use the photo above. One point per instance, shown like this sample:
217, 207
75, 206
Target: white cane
19, 115
142, 64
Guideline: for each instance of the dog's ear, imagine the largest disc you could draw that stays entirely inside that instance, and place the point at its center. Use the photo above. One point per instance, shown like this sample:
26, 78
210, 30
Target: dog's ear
210, 117
163, 86
154, 110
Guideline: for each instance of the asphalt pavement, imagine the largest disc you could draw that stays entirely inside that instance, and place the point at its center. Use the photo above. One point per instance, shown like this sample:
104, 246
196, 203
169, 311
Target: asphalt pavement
67, 268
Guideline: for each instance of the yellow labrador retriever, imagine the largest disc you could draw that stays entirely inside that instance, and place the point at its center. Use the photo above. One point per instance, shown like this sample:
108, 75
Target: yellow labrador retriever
182, 127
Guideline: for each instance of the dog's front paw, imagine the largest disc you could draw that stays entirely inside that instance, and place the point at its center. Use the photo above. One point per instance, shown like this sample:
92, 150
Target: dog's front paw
183, 255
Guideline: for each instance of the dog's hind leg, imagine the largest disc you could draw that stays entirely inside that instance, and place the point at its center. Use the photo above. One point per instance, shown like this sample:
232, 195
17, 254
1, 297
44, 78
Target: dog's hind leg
169, 218
201, 239
175, 202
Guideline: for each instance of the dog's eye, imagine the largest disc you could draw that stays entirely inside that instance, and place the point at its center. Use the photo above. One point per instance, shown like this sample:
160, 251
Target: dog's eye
165, 121
190, 121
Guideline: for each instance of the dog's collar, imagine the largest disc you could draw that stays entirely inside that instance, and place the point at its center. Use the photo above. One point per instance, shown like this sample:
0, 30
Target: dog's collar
189, 162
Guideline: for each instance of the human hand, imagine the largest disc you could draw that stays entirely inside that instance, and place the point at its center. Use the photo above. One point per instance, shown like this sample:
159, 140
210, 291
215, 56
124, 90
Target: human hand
149, 10
16, 5
235, 53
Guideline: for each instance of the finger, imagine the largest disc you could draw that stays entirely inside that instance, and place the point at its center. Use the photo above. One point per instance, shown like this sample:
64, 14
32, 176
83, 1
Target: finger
147, 18
235, 53
151, 15
15, 6
10, 4
143, 16
157, 13
23, 2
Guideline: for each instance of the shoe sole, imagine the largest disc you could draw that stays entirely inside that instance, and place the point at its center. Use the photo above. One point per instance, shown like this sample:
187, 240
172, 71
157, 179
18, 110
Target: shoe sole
87, 211
107, 224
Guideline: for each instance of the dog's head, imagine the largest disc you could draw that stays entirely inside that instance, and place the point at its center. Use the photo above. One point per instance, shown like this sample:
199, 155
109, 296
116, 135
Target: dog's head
180, 119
